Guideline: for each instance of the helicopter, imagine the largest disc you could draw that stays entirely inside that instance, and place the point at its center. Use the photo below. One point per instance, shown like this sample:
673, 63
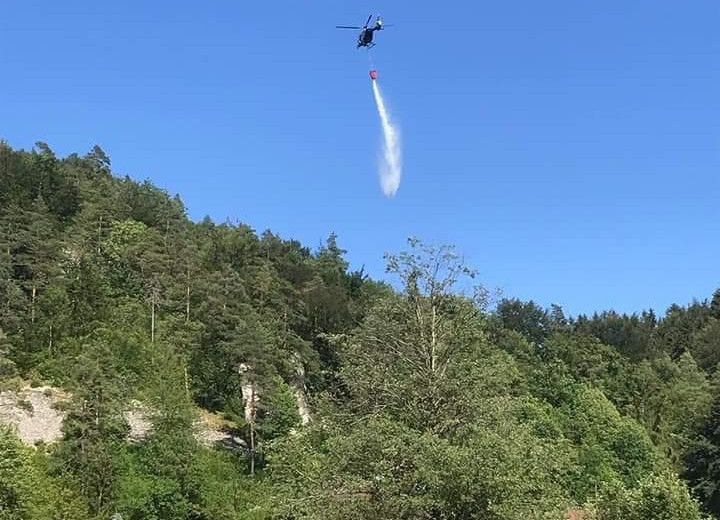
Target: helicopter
365, 39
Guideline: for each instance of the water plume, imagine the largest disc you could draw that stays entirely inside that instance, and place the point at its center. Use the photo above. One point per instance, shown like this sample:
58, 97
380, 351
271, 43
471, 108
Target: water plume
391, 159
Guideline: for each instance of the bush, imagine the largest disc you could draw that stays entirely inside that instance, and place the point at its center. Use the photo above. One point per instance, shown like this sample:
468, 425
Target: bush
657, 497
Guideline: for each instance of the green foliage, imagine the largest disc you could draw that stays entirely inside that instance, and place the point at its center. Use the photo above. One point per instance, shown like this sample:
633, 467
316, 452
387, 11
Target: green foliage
278, 413
380, 469
629, 334
612, 449
705, 346
149, 497
26, 176
224, 494
94, 429
16, 479
670, 398
701, 462
424, 404
659, 496
674, 334
391, 365
421, 356
7, 366
27, 491
163, 464
527, 318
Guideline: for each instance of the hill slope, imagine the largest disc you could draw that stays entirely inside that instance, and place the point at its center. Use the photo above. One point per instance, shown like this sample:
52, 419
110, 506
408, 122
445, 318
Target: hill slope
352, 400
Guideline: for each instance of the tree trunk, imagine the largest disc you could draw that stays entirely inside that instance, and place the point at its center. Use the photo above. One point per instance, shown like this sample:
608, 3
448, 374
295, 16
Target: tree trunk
252, 431
100, 222
32, 305
187, 297
433, 340
152, 319
167, 232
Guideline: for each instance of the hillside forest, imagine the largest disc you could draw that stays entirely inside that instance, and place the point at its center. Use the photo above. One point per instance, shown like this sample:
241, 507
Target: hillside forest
420, 396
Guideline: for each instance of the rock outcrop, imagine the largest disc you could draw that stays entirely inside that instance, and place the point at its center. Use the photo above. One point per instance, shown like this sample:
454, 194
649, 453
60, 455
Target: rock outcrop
36, 414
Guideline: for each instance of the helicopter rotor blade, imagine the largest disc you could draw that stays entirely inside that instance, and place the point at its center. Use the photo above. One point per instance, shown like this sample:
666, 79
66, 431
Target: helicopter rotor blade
347, 27
368, 20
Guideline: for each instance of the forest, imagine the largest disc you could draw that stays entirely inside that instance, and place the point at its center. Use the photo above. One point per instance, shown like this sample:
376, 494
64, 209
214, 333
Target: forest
349, 397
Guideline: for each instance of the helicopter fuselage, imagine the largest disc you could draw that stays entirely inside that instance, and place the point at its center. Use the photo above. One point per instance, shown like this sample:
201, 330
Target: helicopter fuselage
366, 36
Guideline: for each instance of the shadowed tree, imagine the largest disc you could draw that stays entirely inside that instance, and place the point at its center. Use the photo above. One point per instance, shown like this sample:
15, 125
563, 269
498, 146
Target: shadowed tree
527, 318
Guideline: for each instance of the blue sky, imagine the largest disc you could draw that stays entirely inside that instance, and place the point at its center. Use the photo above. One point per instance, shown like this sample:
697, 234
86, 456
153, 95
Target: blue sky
570, 149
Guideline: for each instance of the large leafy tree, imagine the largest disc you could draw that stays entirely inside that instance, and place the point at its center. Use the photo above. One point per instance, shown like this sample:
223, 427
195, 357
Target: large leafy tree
416, 352
381, 469
659, 496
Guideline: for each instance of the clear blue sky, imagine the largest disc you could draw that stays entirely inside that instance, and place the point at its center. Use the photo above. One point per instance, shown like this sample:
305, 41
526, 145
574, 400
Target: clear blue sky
571, 150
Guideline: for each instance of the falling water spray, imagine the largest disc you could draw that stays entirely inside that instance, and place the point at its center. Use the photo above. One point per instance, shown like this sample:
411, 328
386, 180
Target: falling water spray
391, 159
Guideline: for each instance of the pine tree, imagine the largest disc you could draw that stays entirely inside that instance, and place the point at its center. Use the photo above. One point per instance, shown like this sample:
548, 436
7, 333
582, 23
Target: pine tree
95, 429
715, 304
702, 463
